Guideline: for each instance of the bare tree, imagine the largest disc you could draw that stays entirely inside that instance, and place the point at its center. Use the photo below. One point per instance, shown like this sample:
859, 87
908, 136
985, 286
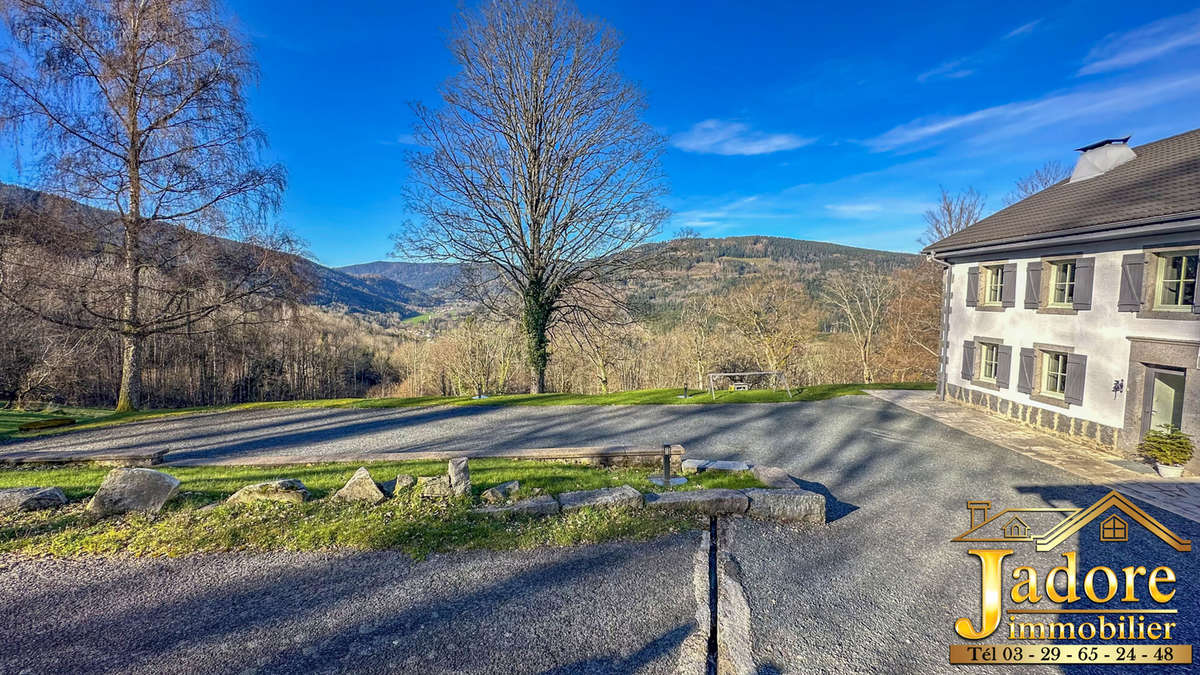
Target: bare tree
773, 318
539, 174
952, 214
1048, 174
861, 300
137, 108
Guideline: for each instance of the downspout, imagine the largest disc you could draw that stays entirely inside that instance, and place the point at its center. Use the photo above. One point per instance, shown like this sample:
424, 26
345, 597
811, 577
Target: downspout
944, 351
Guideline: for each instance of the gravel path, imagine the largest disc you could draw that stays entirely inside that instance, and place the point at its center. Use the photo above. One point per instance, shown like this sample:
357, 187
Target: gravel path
330, 434
613, 608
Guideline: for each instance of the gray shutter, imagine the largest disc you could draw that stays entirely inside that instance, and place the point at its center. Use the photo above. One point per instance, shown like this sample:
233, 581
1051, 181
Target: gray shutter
1131, 283
973, 286
1003, 365
1084, 273
1033, 285
1008, 294
1076, 374
968, 361
1026, 370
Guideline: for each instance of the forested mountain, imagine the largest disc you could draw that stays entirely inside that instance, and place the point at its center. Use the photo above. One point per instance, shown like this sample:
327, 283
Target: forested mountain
332, 288
687, 268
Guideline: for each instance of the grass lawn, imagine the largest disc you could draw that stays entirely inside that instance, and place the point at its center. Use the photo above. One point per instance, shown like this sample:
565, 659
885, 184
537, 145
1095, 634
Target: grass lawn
91, 418
405, 523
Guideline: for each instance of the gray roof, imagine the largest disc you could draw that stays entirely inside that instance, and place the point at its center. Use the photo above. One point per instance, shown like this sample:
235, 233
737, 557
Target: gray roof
1163, 181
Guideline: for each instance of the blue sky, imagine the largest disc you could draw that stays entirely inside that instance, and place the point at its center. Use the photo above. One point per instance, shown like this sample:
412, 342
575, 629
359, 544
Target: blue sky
817, 121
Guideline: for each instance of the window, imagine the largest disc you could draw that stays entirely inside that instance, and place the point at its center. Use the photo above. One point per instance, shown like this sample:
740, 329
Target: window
993, 289
987, 361
1055, 367
1177, 280
1114, 529
1064, 283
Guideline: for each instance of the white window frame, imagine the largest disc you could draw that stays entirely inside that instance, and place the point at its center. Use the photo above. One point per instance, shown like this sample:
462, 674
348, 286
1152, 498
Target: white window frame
1183, 280
986, 348
1062, 278
993, 281
1051, 374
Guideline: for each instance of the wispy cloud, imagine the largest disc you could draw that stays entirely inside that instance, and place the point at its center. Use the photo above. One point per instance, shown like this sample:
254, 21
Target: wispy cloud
950, 70
854, 210
1024, 29
402, 139
1014, 119
1122, 50
719, 137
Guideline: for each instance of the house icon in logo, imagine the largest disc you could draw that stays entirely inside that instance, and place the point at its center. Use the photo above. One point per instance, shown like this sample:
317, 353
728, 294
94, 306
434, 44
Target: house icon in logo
1057, 524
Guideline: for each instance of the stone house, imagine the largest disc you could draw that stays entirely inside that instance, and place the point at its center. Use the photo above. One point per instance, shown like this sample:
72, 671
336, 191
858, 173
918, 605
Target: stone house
1076, 309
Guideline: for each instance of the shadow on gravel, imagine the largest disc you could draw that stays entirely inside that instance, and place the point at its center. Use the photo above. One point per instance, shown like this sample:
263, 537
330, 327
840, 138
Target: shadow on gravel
635, 662
834, 507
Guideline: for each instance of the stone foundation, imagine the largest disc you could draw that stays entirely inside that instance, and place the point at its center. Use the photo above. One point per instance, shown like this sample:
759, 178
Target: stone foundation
1101, 436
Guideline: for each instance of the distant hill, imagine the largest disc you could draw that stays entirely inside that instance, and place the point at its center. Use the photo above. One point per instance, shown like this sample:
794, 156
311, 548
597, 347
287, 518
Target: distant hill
690, 267
334, 289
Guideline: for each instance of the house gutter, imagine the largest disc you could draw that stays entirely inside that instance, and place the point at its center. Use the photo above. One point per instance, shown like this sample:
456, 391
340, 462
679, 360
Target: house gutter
1124, 230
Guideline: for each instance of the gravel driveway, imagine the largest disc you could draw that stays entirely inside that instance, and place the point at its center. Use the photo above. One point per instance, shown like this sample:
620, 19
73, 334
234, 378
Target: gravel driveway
875, 591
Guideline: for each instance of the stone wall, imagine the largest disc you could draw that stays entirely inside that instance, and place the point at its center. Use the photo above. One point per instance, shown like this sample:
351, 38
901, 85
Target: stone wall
1093, 433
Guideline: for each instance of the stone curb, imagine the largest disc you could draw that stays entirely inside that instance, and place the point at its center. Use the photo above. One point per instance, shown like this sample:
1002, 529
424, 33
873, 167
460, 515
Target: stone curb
693, 651
735, 654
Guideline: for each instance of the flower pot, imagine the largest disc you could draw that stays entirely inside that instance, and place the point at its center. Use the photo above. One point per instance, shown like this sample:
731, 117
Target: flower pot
1169, 470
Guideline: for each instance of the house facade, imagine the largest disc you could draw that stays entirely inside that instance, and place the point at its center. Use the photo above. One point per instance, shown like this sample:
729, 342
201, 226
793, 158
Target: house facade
1076, 309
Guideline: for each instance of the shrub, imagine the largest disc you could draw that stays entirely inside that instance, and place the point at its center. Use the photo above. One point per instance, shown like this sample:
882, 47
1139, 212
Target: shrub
1167, 446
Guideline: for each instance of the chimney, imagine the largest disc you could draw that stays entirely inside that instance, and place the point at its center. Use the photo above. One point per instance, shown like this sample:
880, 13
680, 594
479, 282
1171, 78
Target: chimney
979, 511
1101, 157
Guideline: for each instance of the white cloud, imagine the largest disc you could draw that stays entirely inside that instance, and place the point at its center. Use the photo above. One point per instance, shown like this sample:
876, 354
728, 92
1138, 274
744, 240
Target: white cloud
718, 137
950, 70
1014, 119
854, 210
1023, 29
1122, 50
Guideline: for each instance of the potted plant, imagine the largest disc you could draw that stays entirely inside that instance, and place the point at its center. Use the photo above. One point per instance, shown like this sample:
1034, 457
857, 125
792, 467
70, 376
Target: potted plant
1170, 449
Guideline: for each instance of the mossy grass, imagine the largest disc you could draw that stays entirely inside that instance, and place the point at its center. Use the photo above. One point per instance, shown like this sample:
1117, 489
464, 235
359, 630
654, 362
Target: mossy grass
92, 418
406, 522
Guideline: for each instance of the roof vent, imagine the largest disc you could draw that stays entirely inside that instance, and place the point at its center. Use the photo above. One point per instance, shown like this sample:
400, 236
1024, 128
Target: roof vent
1101, 157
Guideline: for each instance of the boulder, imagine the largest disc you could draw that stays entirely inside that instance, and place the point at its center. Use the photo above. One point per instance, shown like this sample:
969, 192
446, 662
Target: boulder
31, 498
691, 466
460, 476
501, 492
718, 502
773, 476
287, 490
624, 496
787, 505
536, 506
360, 488
435, 487
127, 489
403, 482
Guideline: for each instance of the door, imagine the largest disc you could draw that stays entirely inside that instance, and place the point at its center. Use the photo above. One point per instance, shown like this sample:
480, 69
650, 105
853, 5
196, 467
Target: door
1164, 399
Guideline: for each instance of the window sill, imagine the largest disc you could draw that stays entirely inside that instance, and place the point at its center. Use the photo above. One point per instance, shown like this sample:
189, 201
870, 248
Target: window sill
1062, 311
1049, 400
1171, 314
990, 308
985, 384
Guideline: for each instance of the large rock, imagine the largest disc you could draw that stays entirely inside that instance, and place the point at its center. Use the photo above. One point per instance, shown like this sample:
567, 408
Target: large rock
773, 476
691, 466
537, 506
403, 482
31, 498
718, 502
435, 487
459, 473
126, 490
787, 505
288, 490
360, 488
624, 496
501, 492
